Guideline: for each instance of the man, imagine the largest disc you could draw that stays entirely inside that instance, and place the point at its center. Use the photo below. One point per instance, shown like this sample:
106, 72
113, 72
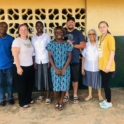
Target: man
6, 61
76, 39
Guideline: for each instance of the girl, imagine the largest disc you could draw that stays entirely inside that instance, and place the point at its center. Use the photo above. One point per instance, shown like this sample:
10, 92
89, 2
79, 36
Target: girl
90, 71
22, 51
106, 50
60, 57
41, 61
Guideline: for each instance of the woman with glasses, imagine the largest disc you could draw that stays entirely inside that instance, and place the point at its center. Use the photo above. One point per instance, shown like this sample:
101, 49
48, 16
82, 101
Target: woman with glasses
90, 71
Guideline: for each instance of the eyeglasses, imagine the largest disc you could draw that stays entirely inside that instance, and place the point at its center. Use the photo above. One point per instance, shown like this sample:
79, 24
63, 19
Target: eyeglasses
91, 34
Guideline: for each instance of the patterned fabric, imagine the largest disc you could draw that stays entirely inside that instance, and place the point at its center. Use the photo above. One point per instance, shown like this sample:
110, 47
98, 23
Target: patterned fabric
60, 55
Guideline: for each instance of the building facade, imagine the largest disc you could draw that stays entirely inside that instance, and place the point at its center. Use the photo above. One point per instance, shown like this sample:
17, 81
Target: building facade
88, 14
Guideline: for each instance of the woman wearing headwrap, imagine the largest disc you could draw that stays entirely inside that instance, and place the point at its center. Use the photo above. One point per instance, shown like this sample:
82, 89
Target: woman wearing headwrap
90, 71
41, 61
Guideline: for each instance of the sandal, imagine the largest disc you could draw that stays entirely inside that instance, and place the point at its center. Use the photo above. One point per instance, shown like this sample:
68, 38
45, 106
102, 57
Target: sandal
26, 106
66, 99
61, 107
48, 101
32, 102
87, 99
75, 100
56, 105
40, 98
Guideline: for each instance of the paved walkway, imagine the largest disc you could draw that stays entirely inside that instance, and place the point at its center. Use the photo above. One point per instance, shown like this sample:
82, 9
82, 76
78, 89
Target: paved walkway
82, 113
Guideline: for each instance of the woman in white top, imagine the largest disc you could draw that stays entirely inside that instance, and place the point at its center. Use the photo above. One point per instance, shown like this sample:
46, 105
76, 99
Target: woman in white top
90, 71
22, 51
41, 61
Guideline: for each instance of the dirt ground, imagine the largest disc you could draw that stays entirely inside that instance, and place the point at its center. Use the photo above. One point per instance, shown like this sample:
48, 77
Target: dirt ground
82, 113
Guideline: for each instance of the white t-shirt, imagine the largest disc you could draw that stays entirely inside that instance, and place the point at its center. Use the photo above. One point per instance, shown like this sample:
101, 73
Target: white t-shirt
91, 57
26, 51
40, 43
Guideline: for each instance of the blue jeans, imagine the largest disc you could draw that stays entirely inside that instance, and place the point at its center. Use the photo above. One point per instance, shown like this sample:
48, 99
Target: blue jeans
8, 74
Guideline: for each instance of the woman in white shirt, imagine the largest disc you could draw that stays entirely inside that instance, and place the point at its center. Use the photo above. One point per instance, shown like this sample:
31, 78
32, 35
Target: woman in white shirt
90, 71
41, 61
22, 51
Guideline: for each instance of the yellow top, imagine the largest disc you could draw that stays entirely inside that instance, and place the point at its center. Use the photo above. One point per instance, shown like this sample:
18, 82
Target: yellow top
105, 46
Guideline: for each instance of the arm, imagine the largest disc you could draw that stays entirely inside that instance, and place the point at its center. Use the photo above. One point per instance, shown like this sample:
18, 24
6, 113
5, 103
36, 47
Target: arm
83, 60
78, 46
57, 71
111, 58
35, 65
15, 53
67, 63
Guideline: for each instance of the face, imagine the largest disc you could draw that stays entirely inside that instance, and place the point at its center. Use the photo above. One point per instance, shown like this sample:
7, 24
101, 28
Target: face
103, 28
92, 35
59, 34
23, 31
3, 28
70, 24
39, 28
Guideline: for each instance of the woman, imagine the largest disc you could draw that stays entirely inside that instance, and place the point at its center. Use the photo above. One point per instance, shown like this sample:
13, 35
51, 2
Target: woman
106, 50
60, 56
22, 51
41, 61
90, 71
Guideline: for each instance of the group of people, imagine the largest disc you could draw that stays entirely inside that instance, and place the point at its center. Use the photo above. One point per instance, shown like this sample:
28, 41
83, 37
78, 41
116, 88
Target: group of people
56, 63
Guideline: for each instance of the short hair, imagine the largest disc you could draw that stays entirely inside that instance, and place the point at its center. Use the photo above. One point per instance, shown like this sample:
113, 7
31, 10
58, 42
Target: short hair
60, 28
39, 22
3, 23
71, 18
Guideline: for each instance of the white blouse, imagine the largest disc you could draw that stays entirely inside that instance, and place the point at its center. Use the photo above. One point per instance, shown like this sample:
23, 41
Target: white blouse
91, 57
40, 43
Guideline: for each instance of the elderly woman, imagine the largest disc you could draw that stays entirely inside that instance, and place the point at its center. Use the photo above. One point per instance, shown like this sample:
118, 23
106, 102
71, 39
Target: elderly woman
90, 71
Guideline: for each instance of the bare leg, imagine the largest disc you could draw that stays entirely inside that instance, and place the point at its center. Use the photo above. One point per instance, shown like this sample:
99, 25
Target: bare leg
56, 96
67, 93
100, 95
48, 94
61, 97
75, 88
42, 92
90, 91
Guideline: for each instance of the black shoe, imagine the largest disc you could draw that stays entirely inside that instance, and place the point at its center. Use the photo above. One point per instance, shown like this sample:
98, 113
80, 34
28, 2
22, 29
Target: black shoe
2, 103
11, 102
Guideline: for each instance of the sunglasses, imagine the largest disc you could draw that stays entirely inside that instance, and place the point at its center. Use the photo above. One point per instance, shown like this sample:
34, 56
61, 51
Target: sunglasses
91, 34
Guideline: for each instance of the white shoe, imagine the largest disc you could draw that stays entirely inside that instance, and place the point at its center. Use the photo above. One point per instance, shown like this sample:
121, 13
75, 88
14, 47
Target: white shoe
106, 105
48, 101
102, 103
40, 98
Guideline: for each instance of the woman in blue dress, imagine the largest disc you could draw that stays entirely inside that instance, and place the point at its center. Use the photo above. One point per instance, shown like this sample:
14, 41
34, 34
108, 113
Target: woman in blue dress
60, 56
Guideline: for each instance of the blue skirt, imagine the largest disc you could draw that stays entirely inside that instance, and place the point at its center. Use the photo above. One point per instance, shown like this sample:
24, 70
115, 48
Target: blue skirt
92, 79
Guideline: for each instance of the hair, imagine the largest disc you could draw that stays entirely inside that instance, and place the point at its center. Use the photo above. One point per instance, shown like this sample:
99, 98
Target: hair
3, 23
71, 18
106, 25
24, 24
59, 28
39, 22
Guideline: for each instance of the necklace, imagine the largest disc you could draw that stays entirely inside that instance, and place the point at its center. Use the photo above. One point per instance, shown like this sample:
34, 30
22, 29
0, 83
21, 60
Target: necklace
101, 40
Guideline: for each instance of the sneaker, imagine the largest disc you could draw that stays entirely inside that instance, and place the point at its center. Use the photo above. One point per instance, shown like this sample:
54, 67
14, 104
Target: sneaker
2, 103
40, 98
48, 101
11, 101
102, 102
106, 105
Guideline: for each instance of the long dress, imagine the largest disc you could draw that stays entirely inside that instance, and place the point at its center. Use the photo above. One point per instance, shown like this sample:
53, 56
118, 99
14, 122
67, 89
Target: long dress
60, 55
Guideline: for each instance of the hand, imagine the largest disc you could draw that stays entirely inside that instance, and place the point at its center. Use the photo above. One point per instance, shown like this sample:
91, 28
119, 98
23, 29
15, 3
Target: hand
83, 72
19, 71
57, 71
107, 69
35, 66
70, 43
48, 65
62, 71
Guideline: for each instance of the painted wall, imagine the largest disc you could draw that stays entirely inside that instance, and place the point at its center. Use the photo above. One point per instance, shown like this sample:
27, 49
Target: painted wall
111, 11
